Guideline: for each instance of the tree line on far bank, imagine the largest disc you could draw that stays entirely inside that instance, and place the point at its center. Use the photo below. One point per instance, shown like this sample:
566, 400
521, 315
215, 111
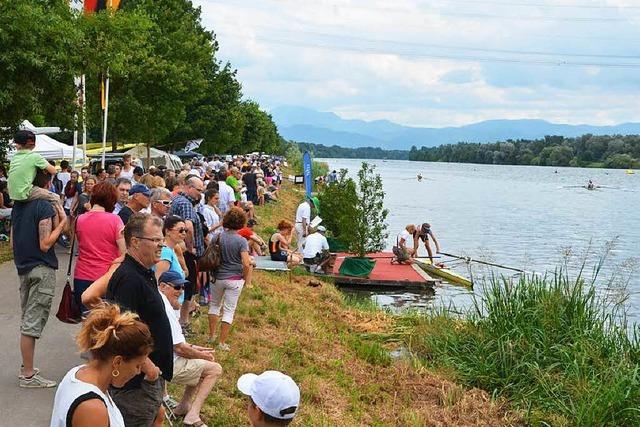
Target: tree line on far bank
166, 84
609, 151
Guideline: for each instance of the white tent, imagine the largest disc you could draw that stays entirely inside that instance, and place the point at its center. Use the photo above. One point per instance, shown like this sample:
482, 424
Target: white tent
50, 149
157, 157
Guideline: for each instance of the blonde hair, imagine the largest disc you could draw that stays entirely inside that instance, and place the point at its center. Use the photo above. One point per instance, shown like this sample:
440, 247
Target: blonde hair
109, 332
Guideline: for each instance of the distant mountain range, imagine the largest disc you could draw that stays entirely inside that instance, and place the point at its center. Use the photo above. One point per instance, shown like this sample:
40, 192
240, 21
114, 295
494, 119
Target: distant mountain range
307, 125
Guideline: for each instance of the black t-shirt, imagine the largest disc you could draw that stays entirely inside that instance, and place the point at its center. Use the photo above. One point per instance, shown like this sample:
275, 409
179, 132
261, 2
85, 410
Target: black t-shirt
134, 287
124, 214
25, 218
250, 181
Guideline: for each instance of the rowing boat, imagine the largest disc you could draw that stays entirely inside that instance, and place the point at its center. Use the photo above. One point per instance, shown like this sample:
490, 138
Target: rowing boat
443, 272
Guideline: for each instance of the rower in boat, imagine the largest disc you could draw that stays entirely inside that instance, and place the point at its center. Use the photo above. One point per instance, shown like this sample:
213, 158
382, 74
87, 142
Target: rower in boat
423, 233
591, 185
419, 177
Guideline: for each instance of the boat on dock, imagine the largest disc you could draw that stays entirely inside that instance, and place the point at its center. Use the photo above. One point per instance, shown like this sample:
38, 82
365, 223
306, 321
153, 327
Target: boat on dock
443, 272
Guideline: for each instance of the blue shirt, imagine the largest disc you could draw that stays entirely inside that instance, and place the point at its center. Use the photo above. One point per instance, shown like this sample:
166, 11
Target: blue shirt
170, 256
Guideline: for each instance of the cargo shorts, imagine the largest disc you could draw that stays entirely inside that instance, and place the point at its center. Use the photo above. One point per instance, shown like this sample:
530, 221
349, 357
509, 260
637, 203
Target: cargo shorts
139, 406
36, 294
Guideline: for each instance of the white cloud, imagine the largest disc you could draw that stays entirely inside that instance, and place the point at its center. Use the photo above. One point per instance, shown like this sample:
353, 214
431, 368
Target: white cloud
435, 63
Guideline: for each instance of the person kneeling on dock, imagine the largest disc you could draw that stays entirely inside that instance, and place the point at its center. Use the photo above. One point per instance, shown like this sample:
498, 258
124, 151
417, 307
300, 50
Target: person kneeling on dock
400, 250
316, 251
193, 366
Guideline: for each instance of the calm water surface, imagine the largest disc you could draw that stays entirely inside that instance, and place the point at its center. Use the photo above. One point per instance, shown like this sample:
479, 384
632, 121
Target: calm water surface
526, 217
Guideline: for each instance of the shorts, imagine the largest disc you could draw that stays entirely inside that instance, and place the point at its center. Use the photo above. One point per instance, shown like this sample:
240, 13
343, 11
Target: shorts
139, 406
317, 259
280, 256
192, 266
188, 371
225, 294
37, 288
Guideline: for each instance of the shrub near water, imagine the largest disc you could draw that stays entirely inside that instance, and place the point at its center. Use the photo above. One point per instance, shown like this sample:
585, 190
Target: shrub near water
550, 345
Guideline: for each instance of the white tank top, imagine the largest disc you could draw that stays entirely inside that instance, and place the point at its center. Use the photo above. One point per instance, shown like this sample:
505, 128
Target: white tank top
69, 390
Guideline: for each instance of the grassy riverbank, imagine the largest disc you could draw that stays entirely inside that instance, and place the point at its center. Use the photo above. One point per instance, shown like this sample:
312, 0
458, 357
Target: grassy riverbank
338, 352
550, 346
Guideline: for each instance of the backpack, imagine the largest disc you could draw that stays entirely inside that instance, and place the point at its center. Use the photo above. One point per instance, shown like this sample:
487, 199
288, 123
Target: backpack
212, 258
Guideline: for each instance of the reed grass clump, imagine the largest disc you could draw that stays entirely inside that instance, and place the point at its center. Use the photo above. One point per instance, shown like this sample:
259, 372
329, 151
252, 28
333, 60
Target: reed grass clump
549, 344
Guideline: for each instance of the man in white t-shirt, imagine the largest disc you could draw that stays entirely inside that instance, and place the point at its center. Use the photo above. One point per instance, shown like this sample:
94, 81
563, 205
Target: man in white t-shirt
316, 250
193, 366
303, 219
64, 176
227, 195
127, 169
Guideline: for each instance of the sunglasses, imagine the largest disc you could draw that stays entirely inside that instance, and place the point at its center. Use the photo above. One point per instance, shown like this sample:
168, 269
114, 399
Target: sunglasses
177, 287
165, 202
180, 230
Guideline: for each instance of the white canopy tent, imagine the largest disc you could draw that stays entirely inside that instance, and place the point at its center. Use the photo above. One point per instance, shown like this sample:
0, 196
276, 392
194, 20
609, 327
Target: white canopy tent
50, 149
157, 157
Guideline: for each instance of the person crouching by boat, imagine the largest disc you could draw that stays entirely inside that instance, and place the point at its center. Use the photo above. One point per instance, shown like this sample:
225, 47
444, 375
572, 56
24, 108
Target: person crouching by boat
403, 252
423, 233
316, 251
280, 243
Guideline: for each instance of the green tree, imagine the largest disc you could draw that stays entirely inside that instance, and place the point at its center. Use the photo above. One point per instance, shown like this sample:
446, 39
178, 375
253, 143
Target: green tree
366, 231
619, 161
339, 201
38, 61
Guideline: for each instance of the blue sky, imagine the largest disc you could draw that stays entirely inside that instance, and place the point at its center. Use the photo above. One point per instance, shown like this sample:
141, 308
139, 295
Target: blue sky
437, 62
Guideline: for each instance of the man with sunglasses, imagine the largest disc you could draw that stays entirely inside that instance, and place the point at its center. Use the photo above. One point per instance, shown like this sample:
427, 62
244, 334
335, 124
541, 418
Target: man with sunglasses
183, 206
193, 366
160, 202
133, 286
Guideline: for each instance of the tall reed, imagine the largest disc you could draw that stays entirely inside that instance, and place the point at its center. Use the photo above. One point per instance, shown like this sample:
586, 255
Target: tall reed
549, 344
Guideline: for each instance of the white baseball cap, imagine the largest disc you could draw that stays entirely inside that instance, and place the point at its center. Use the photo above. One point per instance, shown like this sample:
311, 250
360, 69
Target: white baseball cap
275, 393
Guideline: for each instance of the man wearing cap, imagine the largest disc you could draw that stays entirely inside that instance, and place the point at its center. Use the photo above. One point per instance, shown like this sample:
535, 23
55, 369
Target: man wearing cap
193, 366
274, 398
316, 250
138, 199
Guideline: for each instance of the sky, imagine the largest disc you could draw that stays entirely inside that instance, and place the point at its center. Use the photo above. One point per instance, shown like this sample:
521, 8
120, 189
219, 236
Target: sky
436, 62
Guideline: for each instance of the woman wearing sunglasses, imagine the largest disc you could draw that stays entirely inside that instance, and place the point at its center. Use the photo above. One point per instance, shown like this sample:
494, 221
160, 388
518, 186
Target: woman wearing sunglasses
172, 258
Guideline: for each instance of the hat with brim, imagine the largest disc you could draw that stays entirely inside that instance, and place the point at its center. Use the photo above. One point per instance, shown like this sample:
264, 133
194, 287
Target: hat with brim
172, 277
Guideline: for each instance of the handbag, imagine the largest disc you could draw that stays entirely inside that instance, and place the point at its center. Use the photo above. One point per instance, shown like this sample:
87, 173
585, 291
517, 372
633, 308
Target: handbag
211, 259
68, 310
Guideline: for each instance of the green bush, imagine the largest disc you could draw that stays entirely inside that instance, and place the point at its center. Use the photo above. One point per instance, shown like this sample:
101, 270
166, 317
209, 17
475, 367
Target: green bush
551, 345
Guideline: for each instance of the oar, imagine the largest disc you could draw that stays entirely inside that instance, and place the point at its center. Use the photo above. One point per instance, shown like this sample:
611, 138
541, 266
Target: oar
469, 259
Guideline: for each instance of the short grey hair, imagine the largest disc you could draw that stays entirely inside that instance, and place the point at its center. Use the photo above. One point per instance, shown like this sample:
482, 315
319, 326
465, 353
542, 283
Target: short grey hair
123, 181
136, 224
192, 180
159, 193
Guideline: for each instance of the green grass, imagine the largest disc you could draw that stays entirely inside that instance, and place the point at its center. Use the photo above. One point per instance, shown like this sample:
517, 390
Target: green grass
550, 345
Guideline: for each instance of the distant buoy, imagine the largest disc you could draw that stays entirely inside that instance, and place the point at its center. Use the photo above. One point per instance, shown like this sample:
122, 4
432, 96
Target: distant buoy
630, 171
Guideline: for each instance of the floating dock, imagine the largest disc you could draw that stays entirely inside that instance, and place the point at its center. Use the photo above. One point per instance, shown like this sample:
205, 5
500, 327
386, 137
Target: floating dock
385, 274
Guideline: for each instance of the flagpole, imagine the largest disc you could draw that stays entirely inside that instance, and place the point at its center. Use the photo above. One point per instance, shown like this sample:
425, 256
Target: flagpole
84, 120
106, 115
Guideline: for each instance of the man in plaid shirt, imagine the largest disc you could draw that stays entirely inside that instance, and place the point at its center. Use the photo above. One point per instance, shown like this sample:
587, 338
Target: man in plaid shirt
183, 206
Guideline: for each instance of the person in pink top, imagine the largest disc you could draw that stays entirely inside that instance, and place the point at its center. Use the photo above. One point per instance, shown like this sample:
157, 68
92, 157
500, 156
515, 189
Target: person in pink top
100, 239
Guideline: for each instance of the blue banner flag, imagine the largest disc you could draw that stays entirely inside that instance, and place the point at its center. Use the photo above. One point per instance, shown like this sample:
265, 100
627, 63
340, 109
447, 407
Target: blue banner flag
308, 178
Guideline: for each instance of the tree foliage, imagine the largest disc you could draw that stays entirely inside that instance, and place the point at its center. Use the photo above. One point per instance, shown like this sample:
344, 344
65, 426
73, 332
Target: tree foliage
356, 214
335, 151
614, 151
166, 85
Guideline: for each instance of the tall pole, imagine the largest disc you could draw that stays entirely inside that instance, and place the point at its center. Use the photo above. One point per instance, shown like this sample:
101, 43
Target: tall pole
106, 115
78, 83
84, 120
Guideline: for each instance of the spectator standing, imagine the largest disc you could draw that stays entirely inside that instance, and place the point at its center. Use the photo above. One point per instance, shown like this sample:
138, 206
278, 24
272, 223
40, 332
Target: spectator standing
127, 167
100, 239
183, 206
233, 181
138, 199
160, 202
65, 173
123, 185
138, 172
81, 204
133, 285
172, 256
119, 345
211, 213
227, 195
233, 274
250, 181
71, 190
37, 225
303, 219
194, 366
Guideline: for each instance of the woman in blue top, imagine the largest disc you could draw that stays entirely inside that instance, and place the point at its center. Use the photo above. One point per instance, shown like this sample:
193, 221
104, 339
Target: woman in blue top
171, 258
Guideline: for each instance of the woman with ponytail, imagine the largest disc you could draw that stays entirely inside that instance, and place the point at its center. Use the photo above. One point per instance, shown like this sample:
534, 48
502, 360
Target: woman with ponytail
119, 345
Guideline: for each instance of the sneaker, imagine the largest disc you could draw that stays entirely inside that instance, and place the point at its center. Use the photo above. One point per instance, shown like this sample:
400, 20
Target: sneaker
36, 381
224, 347
36, 371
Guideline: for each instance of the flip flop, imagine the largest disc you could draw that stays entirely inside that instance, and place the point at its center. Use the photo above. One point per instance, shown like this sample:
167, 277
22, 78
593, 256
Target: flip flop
198, 423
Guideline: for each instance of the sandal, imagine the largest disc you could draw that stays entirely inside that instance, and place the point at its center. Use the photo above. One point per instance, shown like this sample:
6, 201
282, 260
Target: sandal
198, 423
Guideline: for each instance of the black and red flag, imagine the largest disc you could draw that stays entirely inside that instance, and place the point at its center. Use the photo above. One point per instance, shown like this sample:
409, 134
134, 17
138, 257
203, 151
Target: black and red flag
97, 5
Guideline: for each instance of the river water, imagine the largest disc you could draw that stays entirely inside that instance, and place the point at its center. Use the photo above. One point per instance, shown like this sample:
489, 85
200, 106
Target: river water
529, 217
